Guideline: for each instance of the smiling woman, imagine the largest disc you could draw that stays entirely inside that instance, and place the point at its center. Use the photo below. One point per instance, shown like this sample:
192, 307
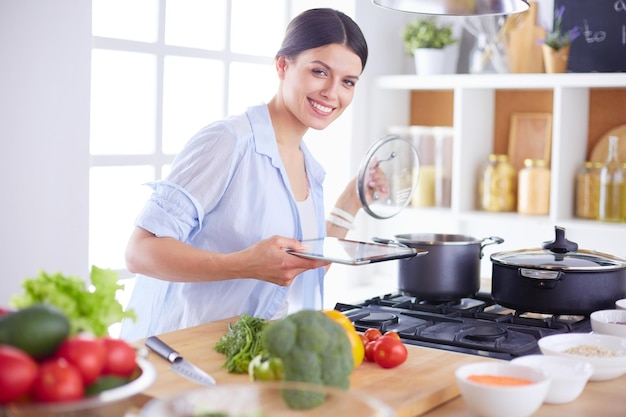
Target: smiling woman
193, 246
160, 73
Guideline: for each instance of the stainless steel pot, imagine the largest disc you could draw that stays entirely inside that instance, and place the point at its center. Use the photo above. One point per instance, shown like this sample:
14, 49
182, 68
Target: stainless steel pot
449, 271
557, 279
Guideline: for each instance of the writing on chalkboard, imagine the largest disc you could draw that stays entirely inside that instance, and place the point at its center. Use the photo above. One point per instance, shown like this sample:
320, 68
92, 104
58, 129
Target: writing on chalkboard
602, 46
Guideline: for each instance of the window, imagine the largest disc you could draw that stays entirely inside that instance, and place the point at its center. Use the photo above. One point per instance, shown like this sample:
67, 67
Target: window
163, 69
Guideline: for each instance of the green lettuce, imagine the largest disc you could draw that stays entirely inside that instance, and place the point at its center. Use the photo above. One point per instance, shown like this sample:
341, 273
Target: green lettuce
89, 308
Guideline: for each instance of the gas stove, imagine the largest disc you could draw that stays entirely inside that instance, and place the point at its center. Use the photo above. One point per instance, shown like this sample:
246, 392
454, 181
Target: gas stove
476, 325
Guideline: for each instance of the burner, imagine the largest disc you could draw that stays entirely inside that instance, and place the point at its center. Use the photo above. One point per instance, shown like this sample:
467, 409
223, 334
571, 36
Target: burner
485, 333
474, 325
379, 318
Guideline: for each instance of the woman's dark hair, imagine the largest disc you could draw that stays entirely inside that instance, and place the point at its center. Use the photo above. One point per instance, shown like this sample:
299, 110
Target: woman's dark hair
319, 27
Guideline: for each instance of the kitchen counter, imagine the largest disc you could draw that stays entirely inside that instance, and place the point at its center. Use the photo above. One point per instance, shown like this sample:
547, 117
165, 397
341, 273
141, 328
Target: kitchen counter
422, 386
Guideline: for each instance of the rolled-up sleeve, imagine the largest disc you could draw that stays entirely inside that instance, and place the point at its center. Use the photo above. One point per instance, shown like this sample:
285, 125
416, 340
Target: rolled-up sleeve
170, 212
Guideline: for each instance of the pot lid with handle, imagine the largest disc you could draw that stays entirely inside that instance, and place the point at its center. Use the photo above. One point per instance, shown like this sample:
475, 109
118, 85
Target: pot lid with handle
560, 254
398, 160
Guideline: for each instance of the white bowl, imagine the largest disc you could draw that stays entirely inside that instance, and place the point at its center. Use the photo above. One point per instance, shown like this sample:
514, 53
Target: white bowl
267, 399
497, 401
611, 322
621, 304
604, 367
114, 402
568, 376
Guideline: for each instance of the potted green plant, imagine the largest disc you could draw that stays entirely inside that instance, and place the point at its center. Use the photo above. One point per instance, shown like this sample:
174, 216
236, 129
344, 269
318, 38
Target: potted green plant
555, 47
426, 39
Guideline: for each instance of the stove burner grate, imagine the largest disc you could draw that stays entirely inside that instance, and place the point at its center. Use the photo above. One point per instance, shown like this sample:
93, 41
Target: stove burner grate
474, 325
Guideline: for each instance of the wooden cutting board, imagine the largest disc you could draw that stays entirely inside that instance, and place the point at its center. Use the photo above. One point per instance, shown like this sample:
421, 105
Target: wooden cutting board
423, 382
601, 149
523, 52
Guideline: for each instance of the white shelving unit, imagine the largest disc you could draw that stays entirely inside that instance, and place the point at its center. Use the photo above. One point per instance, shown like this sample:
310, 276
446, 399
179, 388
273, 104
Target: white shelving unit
474, 117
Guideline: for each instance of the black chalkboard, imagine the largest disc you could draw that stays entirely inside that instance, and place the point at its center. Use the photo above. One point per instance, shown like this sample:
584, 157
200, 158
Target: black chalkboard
602, 45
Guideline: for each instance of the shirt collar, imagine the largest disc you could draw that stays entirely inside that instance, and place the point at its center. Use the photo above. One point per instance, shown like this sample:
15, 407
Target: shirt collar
265, 141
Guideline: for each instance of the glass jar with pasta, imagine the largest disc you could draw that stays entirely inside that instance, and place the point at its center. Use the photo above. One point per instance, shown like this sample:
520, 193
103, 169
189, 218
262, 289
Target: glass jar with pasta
497, 185
588, 190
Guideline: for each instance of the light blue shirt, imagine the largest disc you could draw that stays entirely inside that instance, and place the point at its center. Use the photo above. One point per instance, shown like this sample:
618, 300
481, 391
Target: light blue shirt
227, 190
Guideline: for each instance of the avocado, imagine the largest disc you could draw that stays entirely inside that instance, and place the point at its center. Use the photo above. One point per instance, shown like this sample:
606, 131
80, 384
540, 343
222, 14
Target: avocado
104, 383
38, 330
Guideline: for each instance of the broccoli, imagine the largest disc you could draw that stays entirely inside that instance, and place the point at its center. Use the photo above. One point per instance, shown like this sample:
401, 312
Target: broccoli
314, 349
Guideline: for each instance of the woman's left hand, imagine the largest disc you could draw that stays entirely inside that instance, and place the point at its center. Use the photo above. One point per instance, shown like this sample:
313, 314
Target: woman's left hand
377, 184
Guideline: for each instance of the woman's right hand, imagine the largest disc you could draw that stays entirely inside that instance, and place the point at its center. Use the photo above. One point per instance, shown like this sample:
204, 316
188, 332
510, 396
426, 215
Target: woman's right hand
171, 260
267, 260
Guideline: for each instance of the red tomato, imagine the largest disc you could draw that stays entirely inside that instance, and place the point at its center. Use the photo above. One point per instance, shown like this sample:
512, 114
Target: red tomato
120, 357
17, 373
372, 334
364, 339
392, 334
369, 351
86, 354
58, 381
389, 352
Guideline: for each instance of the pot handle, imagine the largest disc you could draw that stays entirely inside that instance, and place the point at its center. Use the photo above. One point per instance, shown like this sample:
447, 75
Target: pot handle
541, 278
491, 240
388, 242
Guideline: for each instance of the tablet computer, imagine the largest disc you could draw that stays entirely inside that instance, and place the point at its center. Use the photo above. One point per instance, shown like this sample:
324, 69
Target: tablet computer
352, 252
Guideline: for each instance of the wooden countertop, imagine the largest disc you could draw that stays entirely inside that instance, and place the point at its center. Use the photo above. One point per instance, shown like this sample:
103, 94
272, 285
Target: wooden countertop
422, 386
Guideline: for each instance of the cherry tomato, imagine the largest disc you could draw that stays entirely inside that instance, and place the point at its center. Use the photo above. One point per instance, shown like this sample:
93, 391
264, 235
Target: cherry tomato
364, 339
392, 334
372, 334
389, 352
17, 373
120, 357
369, 351
58, 381
86, 354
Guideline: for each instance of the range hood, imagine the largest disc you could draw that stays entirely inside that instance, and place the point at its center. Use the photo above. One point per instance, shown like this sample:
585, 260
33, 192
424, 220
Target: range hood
456, 7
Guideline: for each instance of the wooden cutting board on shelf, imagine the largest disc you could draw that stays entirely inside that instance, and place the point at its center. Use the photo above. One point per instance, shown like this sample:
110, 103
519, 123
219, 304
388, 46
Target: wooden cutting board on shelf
523, 51
601, 149
425, 381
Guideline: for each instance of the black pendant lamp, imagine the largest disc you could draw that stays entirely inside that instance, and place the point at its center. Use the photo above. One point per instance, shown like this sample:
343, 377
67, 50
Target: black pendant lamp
456, 7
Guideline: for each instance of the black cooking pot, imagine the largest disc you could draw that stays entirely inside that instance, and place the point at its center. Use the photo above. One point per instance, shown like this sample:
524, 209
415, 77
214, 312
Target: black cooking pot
558, 279
450, 270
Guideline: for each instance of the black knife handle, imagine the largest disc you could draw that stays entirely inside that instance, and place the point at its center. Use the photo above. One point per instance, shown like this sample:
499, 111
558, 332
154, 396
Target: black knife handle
162, 349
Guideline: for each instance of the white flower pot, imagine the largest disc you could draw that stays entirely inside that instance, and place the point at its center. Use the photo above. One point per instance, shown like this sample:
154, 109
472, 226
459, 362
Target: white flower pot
430, 61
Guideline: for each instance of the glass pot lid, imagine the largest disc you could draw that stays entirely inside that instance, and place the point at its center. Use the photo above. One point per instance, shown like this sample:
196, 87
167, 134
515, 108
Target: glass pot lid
583, 260
393, 163
560, 254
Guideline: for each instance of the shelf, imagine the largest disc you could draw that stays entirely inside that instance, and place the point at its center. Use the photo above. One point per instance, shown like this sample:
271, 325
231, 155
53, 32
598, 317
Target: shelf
501, 81
479, 108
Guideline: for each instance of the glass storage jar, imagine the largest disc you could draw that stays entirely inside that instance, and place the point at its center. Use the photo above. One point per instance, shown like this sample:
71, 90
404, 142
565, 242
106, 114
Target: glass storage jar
533, 196
611, 204
588, 190
497, 184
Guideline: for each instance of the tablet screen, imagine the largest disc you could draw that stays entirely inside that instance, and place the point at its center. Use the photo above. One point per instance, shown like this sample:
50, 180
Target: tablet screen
353, 252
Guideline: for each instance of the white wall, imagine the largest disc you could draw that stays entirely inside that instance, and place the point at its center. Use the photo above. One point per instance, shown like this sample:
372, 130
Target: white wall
44, 133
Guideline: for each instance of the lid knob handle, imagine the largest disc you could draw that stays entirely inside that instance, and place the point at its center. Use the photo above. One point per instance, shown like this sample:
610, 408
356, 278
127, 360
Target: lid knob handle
560, 243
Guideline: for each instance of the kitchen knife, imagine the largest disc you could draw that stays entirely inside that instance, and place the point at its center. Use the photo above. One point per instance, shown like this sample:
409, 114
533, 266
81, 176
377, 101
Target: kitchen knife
179, 365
